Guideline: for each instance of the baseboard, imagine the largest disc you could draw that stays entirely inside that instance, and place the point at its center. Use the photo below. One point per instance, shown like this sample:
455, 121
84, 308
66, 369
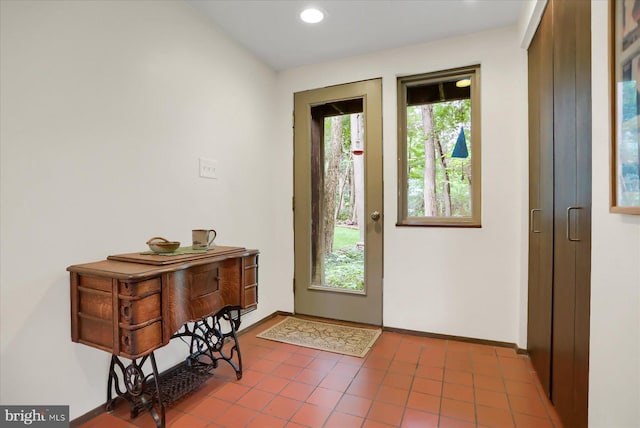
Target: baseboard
264, 320
457, 338
80, 420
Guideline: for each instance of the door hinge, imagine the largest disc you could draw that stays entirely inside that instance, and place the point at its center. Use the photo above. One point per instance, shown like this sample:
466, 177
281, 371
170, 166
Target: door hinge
293, 203
294, 286
293, 119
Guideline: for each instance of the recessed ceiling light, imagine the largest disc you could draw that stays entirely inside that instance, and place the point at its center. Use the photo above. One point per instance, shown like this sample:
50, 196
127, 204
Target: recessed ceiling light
312, 15
463, 83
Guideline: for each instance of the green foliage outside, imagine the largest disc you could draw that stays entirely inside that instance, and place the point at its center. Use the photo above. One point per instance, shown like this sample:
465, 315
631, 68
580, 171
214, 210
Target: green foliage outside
344, 267
448, 117
345, 237
345, 163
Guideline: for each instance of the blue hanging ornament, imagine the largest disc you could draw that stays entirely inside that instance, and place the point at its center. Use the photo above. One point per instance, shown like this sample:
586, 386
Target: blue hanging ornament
460, 149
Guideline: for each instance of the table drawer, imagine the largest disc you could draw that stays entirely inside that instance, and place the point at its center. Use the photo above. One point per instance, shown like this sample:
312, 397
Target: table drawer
250, 297
139, 288
138, 311
251, 260
95, 283
95, 332
95, 303
203, 280
249, 281
135, 341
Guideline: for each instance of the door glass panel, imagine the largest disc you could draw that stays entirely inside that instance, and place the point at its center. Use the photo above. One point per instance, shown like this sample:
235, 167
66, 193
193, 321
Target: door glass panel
338, 235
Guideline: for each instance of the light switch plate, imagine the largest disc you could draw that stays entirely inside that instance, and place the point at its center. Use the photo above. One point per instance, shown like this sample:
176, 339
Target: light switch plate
208, 168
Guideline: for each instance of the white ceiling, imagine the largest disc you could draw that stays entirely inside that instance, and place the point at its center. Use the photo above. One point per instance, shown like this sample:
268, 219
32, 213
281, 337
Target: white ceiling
272, 30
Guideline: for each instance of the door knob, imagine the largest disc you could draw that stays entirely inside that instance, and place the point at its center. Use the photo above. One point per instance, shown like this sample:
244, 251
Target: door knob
375, 216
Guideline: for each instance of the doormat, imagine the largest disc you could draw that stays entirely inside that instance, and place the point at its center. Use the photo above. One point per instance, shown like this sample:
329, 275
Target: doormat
340, 339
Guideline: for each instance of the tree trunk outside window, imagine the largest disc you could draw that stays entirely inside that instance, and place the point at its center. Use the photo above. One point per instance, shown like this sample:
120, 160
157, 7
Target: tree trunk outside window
331, 179
430, 205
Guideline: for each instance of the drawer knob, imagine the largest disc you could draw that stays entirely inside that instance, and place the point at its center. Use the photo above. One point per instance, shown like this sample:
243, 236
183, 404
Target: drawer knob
125, 310
126, 341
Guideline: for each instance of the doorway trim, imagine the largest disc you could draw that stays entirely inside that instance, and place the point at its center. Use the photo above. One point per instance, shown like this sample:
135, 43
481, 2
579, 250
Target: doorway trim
364, 307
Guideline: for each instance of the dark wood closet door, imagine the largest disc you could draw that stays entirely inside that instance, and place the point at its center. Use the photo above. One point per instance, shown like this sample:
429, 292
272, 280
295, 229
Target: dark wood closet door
565, 171
541, 199
572, 240
582, 11
560, 139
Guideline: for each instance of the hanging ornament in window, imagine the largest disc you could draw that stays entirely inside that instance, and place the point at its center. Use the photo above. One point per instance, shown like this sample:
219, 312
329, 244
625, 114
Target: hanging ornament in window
356, 147
460, 151
356, 138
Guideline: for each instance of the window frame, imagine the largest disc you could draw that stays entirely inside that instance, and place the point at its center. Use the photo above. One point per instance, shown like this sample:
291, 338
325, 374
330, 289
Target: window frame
404, 82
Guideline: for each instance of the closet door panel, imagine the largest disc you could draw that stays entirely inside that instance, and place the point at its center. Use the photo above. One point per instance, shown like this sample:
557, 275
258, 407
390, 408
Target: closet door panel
541, 199
583, 180
565, 170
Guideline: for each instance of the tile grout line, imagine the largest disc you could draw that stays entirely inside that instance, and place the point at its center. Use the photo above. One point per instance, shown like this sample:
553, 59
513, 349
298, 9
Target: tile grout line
546, 402
260, 412
473, 385
442, 392
302, 403
504, 384
374, 398
444, 373
333, 410
413, 378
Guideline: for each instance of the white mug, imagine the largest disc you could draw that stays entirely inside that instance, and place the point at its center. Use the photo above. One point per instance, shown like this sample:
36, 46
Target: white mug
203, 238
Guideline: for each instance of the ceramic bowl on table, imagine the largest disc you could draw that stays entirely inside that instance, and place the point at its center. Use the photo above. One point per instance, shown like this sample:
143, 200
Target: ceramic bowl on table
162, 245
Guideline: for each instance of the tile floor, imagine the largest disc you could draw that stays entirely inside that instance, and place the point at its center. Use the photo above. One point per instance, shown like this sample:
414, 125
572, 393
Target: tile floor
405, 381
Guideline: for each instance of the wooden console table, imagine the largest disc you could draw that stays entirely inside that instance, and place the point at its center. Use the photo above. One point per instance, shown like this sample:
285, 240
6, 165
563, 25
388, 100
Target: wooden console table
132, 304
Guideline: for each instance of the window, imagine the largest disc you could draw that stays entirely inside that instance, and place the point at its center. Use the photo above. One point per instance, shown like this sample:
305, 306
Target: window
439, 149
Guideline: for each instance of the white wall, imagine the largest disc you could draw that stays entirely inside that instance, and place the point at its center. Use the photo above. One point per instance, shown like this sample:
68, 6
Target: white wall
614, 363
464, 282
105, 108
